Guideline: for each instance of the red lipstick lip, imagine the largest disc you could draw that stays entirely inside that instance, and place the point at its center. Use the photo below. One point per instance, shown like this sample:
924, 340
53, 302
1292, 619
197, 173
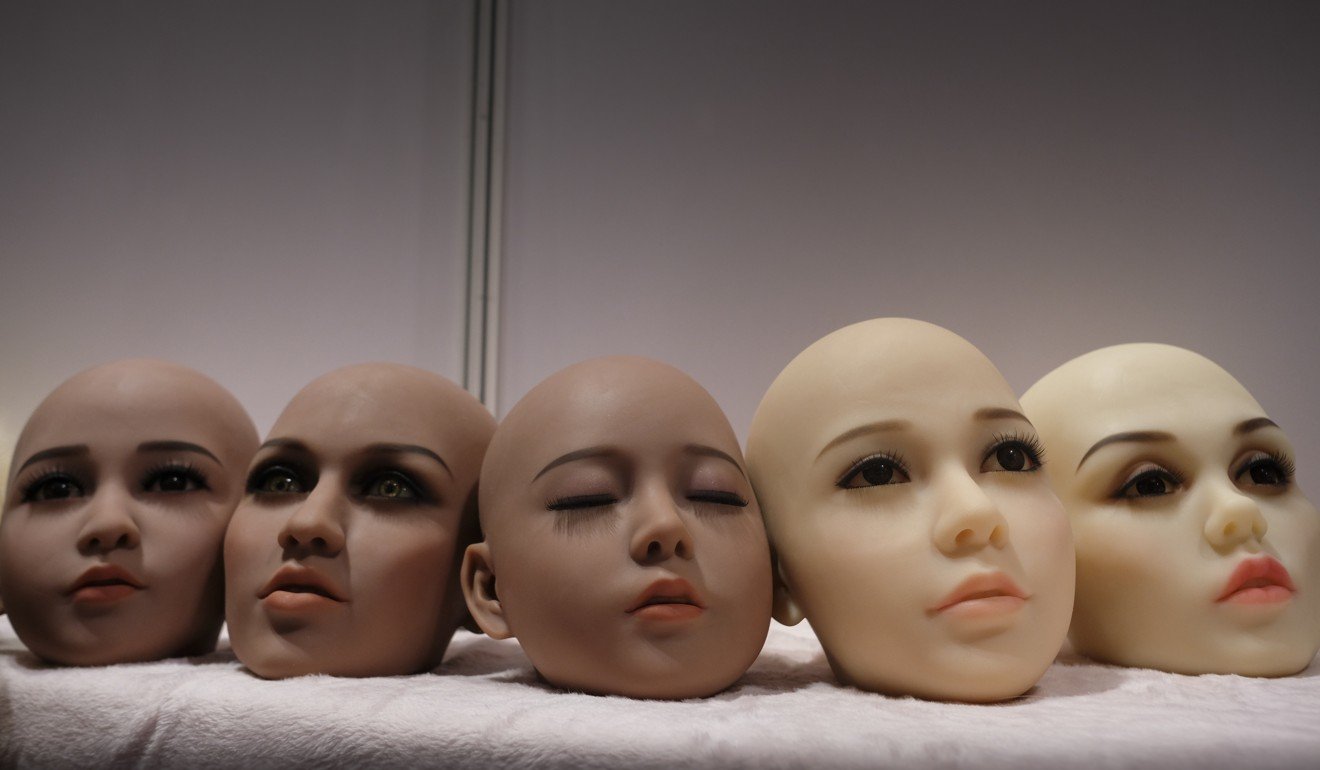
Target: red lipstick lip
1260, 572
105, 575
986, 585
667, 591
301, 580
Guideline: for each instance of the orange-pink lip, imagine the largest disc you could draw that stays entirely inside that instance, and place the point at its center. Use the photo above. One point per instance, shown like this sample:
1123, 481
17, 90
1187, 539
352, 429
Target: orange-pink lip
987, 590
298, 585
668, 599
1262, 580
104, 583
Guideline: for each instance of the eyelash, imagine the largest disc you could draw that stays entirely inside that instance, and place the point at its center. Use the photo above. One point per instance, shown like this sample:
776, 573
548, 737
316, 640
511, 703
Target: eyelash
260, 475
1034, 448
35, 482
584, 502
1285, 463
185, 469
365, 481
893, 458
1170, 476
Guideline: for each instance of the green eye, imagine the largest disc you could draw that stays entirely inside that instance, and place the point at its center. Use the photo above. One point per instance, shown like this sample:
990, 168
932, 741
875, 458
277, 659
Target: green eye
391, 486
276, 480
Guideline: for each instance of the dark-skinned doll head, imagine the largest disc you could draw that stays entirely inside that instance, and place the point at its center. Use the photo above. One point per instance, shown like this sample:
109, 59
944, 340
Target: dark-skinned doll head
624, 548
123, 481
343, 557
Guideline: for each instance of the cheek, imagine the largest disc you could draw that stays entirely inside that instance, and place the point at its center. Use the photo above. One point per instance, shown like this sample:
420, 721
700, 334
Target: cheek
251, 540
1041, 534
1294, 532
734, 555
540, 572
36, 551
1149, 550
400, 567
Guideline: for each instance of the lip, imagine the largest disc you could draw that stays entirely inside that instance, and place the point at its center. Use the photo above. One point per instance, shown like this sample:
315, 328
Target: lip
668, 599
1262, 580
982, 594
104, 583
297, 587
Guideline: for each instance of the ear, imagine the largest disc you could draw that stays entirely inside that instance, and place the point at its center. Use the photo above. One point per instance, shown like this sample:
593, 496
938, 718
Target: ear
785, 608
478, 579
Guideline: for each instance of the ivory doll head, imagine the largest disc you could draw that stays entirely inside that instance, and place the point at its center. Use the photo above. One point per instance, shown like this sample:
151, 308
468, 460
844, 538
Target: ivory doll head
343, 556
624, 548
1196, 550
902, 492
122, 483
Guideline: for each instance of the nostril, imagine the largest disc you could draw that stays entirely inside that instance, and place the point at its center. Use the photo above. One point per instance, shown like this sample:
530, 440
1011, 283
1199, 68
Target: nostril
962, 537
652, 549
680, 550
998, 537
1230, 528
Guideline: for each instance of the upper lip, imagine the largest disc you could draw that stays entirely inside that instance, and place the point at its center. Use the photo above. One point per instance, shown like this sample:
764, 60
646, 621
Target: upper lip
980, 586
106, 574
291, 577
1260, 571
667, 591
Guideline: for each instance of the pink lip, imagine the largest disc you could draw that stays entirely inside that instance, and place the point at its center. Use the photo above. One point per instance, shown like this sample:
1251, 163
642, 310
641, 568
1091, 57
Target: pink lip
1262, 580
668, 599
104, 583
987, 591
296, 585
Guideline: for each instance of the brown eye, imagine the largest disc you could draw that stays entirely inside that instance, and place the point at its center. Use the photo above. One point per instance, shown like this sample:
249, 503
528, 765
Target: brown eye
874, 471
1155, 482
174, 479
1013, 455
54, 486
1265, 470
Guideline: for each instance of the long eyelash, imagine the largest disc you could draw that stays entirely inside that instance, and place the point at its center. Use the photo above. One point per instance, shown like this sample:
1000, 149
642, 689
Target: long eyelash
185, 468
36, 478
363, 481
580, 502
894, 457
1284, 462
1029, 440
1178, 478
718, 497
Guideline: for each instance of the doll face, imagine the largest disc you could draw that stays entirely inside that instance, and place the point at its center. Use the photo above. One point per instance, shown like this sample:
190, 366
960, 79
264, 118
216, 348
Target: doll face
124, 479
342, 557
912, 525
1196, 550
624, 547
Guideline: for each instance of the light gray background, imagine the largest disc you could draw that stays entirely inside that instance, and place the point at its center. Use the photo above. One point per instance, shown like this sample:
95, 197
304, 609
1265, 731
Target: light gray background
718, 184
268, 190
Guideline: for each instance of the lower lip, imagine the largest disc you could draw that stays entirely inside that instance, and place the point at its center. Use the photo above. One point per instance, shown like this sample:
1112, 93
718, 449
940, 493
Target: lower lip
1259, 595
103, 594
668, 612
985, 607
297, 601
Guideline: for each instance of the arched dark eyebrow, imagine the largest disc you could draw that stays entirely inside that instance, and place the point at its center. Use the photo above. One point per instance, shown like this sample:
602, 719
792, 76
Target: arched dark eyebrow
177, 446
1255, 423
72, 450
1136, 435
577, 454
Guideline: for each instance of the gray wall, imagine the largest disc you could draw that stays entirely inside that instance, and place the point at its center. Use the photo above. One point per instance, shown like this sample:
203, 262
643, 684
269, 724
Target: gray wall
718, 184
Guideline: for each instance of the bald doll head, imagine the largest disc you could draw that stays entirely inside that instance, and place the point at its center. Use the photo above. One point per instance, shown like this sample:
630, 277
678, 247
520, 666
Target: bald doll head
624, 548
343, 556
901, 490
1196, 550
122, 483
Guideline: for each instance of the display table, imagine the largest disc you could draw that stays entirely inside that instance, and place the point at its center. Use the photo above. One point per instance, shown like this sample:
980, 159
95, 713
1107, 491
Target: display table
485, 706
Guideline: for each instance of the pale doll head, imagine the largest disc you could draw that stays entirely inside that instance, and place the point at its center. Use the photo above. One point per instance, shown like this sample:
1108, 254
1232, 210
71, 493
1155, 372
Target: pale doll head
122, 483
343, 557
624, 548
1196, 550
901, 491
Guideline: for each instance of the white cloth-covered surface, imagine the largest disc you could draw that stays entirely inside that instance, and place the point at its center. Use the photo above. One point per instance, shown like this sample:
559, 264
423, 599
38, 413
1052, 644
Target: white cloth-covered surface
486, 706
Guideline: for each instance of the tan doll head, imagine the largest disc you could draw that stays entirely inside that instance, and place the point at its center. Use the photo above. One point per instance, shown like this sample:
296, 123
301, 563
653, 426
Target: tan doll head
900, 487
1196, 550
624, 548
343, 557
122, 483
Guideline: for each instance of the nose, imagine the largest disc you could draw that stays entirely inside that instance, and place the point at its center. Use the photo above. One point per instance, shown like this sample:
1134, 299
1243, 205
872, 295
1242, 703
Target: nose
110, 525
1234, 519
660, 533
316, 527
969, 519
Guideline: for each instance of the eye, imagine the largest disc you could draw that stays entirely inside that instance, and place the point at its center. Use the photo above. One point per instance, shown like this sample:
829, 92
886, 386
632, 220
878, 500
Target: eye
55, 485
391, 485
717, 497
1260, 469
174, 478
874, 471
580, 502
276, 480
1014, 454
1149, 481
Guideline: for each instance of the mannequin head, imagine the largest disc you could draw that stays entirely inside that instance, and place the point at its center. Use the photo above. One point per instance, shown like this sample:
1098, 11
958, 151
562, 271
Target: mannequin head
624, 548
1196, 550
343, 556
912, 527
122, 483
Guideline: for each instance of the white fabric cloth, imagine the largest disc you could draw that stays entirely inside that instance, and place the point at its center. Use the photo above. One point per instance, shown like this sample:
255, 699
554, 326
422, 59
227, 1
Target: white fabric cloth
485, 706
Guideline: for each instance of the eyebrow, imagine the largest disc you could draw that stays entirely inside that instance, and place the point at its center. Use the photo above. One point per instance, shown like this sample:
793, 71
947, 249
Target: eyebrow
710, 451
577, 454
72, 450
999, 413
884, 426
1255, 423
177, 446
388, 448
1136, 435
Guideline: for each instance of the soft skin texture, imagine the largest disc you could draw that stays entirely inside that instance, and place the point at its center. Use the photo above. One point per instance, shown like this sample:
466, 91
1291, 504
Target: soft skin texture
1163, 518
873, 562
343, 556
661, 494
135, 465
